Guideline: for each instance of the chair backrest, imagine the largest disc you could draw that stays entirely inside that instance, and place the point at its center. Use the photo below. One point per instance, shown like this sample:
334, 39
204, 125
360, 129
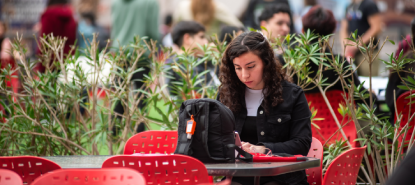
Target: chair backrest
345, 167
402, 106
328, 126
314, 175
28, 167
163, 169
8, 177
152, 142
119, 176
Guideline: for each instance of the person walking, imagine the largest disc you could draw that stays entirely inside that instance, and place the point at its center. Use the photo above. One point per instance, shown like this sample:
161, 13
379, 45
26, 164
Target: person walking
211, 14
363, 16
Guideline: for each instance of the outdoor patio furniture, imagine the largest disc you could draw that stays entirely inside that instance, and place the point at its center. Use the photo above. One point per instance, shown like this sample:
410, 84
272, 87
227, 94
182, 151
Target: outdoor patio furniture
119, 176
8, 177
314, 175
163, 169
150, 142
328, 126
345, 167
28, 167
237, 169
403, 107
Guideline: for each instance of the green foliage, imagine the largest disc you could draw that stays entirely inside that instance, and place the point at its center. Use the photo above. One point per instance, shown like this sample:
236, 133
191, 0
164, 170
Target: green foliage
44, 117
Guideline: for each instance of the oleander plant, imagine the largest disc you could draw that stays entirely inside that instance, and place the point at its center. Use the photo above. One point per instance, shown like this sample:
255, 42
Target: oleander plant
69, 108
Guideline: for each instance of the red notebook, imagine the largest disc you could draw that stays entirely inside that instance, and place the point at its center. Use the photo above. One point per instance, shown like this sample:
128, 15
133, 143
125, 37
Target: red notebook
276, 158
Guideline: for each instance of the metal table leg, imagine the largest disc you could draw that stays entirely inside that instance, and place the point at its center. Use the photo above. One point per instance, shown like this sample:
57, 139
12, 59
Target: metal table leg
257, 180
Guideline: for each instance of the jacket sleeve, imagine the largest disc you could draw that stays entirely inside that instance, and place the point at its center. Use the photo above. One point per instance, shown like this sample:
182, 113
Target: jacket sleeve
300, 129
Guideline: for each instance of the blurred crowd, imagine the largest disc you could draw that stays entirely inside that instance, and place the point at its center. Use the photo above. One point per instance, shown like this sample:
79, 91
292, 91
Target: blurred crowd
130, 18
193, 22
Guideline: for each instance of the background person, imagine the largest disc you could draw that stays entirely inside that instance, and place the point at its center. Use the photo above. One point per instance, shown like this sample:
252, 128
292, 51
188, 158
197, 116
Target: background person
88, 26
7, 57
276, 20
394, 80
269, 111
363, 16
211, 14
57, 19
227, 33
188, 36
132, 18
322, 22
256, 7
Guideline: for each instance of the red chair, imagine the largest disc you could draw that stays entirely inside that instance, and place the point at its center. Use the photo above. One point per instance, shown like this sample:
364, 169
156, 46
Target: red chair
28, 167
8, 177
402, 106
344, 169
151, 142
119, 176
160, 169
328, 126
314, 175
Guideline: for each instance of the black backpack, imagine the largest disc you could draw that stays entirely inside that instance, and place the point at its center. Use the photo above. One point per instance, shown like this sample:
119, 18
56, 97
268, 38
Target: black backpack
213, 139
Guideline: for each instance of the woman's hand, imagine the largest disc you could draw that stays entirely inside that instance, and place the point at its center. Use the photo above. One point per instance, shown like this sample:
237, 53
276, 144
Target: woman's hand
250, 148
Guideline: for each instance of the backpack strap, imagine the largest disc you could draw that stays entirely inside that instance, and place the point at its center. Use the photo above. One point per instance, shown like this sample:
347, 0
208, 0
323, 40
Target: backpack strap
247, 157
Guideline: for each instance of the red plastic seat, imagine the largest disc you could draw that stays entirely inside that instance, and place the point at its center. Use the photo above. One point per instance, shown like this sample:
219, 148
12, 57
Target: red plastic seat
345, 168
8, 177
151, 142
314, 175
28, 167
402, 106
328, 126
160, 169
119, 176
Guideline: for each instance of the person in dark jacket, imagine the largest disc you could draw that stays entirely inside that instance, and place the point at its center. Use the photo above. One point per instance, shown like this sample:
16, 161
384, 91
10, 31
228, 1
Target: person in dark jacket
322, 22
269, 111
394, 80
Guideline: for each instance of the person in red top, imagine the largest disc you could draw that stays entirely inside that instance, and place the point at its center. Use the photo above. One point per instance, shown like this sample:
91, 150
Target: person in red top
57, 19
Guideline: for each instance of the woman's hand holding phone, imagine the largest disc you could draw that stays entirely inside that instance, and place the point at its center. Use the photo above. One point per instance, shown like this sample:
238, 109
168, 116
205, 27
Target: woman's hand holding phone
250, 148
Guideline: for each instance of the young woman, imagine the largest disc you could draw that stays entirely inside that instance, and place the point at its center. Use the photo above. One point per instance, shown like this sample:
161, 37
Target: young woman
269, 111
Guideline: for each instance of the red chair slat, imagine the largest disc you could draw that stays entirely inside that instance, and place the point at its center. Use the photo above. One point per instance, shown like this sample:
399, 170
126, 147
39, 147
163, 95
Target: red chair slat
119, 176
8, 177
314, 175
151, 142
345, 168
328, 126
28, 167
403, 106
163, 169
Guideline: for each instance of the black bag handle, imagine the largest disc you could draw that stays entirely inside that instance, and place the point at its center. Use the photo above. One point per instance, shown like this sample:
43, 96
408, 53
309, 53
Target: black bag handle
247, 156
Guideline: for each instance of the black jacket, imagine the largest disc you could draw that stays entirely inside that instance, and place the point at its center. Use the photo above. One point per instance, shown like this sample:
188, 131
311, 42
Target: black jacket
286, 128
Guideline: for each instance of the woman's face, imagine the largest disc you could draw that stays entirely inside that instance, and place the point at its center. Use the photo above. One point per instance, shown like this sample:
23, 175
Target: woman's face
249, 68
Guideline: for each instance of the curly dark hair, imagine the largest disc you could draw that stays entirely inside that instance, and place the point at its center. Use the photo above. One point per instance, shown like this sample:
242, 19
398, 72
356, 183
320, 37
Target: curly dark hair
232, 90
